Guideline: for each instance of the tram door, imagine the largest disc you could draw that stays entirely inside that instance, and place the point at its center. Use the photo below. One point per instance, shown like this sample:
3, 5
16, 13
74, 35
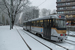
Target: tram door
47, 29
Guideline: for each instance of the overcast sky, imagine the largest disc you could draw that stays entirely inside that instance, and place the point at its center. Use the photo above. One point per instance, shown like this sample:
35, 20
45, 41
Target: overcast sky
48, 4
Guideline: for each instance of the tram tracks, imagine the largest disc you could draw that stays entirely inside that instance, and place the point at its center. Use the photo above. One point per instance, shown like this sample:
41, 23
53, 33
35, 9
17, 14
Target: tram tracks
60, 46
47, 40
34, 39
70, 42
37, 40
72, 35
23, 39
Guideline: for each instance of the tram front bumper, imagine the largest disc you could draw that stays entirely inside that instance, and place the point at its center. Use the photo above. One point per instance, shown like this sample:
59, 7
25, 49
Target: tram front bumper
62, 38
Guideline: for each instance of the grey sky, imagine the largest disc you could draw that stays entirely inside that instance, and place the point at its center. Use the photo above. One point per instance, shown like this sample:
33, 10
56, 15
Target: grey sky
48, 4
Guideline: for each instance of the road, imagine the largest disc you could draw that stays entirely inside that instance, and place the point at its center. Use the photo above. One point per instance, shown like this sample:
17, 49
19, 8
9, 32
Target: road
68, 44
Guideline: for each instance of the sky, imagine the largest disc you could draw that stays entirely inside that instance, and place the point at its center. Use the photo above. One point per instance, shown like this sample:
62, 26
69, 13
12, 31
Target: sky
48, 4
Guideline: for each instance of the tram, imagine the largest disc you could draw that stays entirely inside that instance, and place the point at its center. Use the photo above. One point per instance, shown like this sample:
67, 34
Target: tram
51, 28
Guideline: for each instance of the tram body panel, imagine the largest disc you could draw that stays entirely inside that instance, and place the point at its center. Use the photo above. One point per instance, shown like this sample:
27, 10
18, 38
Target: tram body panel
37, 29
24, 27
28, 28
56, 36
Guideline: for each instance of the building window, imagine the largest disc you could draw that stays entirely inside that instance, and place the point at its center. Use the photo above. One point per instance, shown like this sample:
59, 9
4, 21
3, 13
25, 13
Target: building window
58, 0
73, 7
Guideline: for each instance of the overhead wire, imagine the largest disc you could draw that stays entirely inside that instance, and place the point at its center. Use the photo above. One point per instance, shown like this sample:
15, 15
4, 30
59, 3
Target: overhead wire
41, 3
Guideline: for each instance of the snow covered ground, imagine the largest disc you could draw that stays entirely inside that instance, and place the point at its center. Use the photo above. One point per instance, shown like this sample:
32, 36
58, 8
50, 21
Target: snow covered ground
11, 40
71, 33
36, 45
53, 46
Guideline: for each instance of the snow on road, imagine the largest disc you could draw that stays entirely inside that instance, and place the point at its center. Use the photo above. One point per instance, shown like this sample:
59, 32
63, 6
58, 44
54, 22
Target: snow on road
10, 39
66, 45
53, 46
73, 42
71, 38
34, 45
71, 32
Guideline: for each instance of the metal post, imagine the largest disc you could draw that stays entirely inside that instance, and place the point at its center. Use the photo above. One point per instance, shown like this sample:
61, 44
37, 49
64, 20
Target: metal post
68, 31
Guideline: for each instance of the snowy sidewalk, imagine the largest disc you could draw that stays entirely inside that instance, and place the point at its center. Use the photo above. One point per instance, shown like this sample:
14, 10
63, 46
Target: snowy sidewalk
10, 39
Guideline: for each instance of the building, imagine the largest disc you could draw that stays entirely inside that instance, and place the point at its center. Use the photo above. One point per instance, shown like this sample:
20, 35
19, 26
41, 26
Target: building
66, 7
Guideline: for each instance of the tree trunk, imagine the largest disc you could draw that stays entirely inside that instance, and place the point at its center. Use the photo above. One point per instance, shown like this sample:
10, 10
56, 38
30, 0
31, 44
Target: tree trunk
11, 18
10, 23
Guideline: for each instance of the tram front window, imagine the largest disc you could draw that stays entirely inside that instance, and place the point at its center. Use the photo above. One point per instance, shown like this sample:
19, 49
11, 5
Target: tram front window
61, 23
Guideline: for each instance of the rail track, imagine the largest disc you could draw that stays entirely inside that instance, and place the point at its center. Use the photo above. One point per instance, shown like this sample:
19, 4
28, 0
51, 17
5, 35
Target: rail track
47, 40
33, 38
70, 43
37, 40
70, 40
23, 39
72, 35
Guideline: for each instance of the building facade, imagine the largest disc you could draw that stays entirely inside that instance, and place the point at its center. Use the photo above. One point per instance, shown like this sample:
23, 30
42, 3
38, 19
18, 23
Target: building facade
66, 7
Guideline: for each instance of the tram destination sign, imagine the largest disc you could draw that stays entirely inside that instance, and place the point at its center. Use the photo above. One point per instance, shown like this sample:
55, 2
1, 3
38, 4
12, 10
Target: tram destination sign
61, 16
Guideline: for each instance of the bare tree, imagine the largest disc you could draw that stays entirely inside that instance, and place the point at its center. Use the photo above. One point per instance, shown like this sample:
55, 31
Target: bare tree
45, 12
54, 12
49, 11
13, 7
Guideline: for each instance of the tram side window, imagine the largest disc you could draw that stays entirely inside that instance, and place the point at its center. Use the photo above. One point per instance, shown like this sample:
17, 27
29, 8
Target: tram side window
32, 23
41, 23
28, 23
24, 24
37, 23
54, 23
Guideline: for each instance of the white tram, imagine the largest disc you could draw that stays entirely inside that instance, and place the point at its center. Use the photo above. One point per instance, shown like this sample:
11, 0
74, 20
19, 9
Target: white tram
51, 28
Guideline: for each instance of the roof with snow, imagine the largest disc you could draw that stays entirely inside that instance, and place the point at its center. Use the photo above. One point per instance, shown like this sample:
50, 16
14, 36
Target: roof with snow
46, 17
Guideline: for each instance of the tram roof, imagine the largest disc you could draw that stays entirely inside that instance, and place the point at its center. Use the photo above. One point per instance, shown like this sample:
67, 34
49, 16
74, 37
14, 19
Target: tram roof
47, 17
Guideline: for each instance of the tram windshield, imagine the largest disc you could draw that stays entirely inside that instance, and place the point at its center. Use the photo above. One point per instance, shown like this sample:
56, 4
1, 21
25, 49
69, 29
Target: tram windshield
60, 23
